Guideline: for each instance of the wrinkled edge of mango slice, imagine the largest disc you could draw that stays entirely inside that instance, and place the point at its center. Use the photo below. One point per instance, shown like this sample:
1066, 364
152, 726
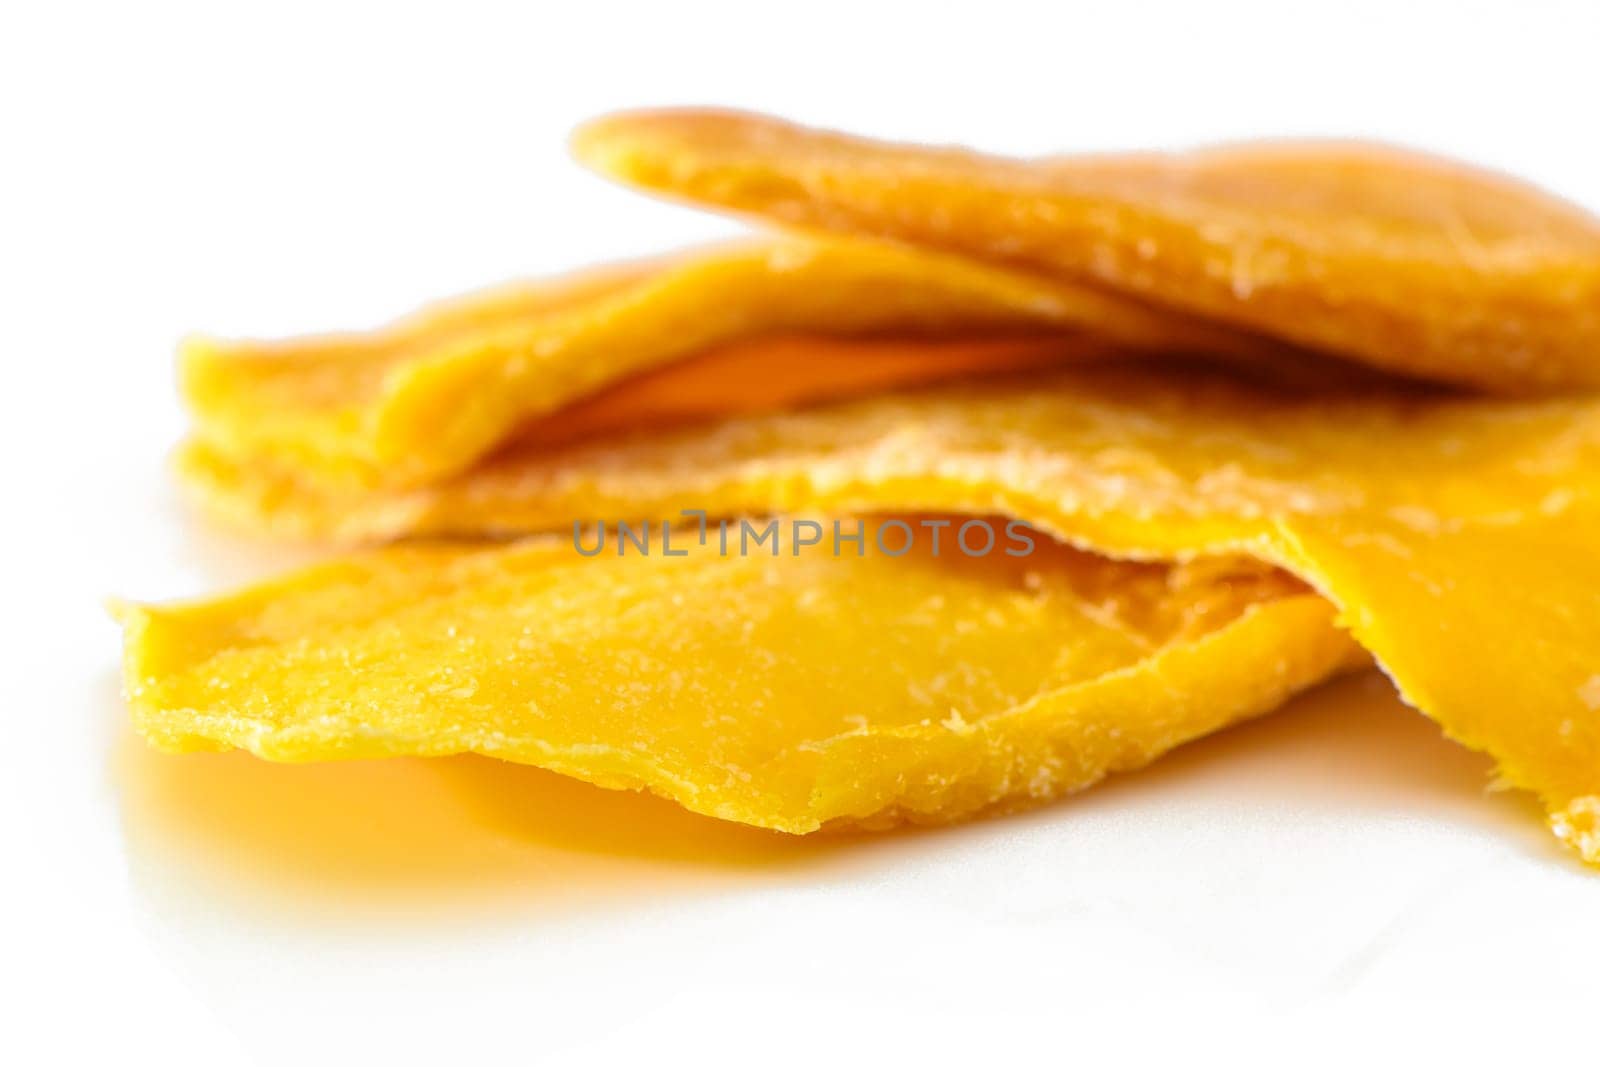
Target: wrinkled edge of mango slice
1059, 741
1423, 588
1458, 295
427, 397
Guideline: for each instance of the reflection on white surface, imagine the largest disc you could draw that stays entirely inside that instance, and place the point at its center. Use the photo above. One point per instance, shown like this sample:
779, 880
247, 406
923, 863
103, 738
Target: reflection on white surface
1314, 852
308, 166
438, 837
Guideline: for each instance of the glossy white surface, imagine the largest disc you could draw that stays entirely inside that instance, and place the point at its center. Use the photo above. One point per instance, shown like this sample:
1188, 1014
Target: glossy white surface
1334, 877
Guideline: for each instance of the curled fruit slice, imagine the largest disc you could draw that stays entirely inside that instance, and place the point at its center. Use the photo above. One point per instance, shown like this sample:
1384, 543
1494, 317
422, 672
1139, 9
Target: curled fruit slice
1411, 263
431, 395
1454, 534
1281, 533
789, 692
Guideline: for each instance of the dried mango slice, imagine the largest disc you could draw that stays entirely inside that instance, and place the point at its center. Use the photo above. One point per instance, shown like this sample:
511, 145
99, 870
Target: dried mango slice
1492, 624
1410, 263
789, 692
432, 394
283, 496
308, 400
786, 372
1164, 461
1455, 534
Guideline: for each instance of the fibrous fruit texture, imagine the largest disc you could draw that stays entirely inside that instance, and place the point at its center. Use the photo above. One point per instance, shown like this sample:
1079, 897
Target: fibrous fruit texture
1265, 414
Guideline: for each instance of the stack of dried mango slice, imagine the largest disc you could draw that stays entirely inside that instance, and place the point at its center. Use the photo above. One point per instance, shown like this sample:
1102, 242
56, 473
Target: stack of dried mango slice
1272, 413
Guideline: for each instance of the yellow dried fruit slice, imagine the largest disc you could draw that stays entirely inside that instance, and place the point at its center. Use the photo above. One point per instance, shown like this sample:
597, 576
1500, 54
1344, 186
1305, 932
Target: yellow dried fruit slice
1166, 460
430, 395
1456, 535
309, 401
789, 692
779, 373
1408, 262
287, 496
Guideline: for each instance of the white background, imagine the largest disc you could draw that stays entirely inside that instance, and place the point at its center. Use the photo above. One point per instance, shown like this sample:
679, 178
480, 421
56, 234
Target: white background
1332, 880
